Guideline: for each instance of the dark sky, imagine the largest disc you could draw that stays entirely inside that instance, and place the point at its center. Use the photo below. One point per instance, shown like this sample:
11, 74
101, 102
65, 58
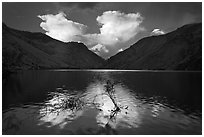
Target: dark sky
163, 16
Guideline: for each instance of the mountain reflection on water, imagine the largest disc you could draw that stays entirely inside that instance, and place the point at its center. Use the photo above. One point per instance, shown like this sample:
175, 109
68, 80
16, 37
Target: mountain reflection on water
93, 110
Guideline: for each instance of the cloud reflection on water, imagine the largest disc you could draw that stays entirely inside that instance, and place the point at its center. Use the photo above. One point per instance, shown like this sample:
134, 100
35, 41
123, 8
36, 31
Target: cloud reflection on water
90, 110
94, 97
127, 117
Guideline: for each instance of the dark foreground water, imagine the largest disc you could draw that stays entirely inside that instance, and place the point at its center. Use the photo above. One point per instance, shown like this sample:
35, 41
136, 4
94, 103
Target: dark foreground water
77, 102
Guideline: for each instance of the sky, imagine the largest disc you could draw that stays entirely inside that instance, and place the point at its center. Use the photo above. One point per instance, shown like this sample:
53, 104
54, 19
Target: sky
106, 28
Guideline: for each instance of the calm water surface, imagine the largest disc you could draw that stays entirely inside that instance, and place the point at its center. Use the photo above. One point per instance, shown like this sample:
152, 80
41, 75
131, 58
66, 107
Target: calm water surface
76, 102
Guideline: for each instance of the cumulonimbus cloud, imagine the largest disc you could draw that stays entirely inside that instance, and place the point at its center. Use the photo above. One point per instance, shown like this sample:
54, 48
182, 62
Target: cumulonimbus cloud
157, 32
116, 28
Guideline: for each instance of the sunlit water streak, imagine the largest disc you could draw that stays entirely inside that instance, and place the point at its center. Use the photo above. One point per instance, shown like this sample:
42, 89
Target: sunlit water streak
90, 111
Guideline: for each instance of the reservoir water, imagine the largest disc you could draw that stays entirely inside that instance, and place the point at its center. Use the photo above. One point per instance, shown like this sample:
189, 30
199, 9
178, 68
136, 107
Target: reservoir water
77, 102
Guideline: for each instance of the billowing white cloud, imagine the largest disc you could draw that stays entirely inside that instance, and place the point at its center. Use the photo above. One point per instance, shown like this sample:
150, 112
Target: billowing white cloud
157, 32
120, 50
116, 30
118, 27
99, 48
60, 28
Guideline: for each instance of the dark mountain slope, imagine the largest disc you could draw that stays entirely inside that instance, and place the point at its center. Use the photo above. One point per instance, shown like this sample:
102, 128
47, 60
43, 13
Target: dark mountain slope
178, 50
26, 50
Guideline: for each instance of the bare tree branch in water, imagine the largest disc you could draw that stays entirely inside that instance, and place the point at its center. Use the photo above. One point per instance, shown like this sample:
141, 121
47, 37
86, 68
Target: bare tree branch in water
66, 101
109, 89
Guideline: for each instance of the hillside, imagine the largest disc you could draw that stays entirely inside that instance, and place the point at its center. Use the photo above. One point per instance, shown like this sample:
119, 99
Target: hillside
177, 50
25, 50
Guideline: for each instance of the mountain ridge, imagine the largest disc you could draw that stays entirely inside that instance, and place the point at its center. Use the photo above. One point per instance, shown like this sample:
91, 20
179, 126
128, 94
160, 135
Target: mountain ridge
26, 50
147, 54
180, 49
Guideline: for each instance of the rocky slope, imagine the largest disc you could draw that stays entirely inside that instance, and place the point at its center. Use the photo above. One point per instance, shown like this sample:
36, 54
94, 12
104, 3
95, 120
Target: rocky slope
26, 50
178, 50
